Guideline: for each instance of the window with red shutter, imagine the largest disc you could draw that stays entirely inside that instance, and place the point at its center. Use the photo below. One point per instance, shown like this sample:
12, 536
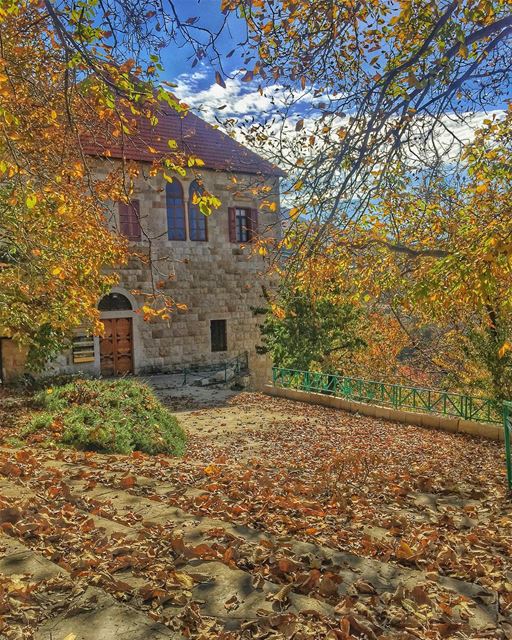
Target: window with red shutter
129, 220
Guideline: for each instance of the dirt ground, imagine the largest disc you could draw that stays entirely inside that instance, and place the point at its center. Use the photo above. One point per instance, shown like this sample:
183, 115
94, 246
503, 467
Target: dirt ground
284, 520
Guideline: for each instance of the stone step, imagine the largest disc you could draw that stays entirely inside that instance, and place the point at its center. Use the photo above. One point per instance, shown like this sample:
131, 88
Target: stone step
83, 613
352, 569
221, 592
218, 583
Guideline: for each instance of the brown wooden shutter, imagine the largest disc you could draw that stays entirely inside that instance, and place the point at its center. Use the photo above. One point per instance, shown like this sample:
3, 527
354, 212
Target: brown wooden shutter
253, 223
232, 224
135, 220
123, 218
129, 222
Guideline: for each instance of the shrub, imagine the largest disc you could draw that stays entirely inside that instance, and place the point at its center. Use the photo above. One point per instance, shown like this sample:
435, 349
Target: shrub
40, 421
111, 416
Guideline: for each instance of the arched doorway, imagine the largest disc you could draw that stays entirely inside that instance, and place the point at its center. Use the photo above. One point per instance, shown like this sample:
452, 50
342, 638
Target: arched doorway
116, 344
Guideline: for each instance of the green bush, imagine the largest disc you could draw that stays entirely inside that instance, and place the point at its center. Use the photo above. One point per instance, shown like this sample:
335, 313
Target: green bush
111, 416
42, 420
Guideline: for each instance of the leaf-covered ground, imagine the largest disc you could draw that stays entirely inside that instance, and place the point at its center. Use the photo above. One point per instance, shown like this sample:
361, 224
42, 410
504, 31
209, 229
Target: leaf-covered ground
284, 520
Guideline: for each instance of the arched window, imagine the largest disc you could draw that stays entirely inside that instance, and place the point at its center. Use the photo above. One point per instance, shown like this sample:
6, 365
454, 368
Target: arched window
196, 219
115, 302
175, 211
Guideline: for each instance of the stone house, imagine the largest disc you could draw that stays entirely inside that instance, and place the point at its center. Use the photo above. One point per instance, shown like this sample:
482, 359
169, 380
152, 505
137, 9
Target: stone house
214, 271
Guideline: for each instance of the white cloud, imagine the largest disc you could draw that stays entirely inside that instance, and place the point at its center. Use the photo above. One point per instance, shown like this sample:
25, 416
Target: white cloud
237, 100
240, 107
243, 102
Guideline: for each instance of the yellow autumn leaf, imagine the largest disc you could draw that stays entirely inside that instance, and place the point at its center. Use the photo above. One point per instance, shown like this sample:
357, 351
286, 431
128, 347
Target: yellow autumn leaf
31, 201
404, 551
278, 312
211, 470
506, 346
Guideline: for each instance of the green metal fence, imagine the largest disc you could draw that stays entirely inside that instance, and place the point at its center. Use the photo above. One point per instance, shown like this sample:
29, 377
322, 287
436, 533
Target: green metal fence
397, 396
507, 425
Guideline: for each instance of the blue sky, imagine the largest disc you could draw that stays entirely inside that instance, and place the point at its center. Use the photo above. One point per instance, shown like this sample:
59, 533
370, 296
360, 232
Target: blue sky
196, 85
176, 60
241, 101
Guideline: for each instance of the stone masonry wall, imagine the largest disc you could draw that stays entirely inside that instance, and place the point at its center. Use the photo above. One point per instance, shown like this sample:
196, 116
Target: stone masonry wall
13, 360
216, 279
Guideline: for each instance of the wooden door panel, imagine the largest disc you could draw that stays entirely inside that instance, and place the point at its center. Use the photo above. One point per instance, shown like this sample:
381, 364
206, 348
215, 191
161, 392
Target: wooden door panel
116, 347
107, 349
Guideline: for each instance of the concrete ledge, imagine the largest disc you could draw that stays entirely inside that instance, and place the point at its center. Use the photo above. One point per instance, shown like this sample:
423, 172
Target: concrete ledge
427, 420
449, 424
484, 430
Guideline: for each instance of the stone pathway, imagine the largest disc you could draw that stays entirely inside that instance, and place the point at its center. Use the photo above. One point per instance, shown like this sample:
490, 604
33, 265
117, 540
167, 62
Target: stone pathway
213, 563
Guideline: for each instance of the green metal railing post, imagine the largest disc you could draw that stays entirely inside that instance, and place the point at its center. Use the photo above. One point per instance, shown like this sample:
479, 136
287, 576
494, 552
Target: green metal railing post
396, 397
507, 426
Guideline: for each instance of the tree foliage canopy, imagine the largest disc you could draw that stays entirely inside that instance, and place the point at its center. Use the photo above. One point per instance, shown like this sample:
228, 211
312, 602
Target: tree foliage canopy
436, 252
71, 73
306, 332
388, 82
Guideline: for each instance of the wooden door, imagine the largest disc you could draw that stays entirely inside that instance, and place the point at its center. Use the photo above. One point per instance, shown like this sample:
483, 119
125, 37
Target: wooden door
116, 347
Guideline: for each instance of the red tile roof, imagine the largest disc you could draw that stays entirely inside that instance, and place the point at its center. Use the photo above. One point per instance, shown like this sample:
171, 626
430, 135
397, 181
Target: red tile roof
194, 137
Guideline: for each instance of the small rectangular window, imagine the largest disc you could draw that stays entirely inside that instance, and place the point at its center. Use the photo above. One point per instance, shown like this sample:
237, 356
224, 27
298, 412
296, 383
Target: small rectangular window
82, 348
218, 335
242, 225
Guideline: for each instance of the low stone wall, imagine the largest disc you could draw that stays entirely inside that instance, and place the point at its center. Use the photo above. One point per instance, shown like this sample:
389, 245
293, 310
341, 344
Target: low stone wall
429, 420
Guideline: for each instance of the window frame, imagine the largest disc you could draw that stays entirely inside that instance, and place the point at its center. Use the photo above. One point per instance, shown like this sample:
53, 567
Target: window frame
82, 347
107, 303
195, 215
174, 209
243, 225
238, 223
219, 345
